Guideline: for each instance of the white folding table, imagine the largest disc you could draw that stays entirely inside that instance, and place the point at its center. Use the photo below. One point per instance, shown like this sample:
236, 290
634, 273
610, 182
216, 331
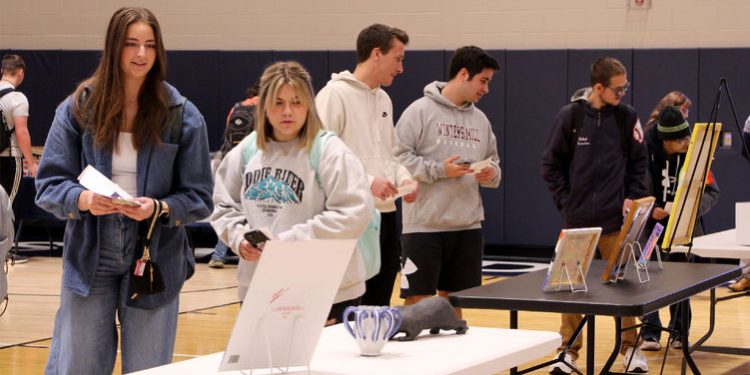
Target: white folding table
479, 351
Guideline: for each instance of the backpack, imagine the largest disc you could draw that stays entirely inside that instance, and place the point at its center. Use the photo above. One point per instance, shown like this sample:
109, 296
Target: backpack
6, 243
579, 112
4, 132
369, 243
239, 125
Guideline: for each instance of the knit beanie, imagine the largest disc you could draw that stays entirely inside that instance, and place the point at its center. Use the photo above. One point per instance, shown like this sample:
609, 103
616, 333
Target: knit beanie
671, 124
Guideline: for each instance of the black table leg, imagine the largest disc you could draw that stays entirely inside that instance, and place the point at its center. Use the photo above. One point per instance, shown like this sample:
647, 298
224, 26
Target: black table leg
590, 343
514, 325
684, 336
616, 350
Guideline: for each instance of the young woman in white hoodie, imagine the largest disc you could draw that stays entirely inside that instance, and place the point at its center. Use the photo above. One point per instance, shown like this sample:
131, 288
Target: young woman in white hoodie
276, 186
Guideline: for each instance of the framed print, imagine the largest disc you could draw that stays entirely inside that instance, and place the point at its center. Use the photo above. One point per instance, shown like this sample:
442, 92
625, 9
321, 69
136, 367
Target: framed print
573, 253
635, 221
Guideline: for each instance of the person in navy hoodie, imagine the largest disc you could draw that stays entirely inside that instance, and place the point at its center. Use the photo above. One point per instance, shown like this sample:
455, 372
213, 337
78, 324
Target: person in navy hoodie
122, 122
594, 165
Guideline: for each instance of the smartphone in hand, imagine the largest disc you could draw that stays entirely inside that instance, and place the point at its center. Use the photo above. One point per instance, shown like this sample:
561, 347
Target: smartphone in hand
125, 202
256, 238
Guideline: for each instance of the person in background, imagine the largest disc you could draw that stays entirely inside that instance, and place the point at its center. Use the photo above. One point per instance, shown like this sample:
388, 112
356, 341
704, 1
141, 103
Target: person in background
278, 189
14, 107
121, 121
743, 283
240, 121
357, 109
438, 137
667, 141
596, 136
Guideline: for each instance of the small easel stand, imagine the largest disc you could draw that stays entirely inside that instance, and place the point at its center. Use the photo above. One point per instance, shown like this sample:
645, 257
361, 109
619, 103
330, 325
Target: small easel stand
642, 264
283, 366
574, 287
628, 251
641, 268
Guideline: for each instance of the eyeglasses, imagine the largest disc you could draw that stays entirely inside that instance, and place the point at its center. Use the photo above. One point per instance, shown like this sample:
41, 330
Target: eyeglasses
619, 91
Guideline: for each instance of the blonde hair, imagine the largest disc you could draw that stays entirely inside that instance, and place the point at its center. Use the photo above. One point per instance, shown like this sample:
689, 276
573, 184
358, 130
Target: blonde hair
673, 98
274, 77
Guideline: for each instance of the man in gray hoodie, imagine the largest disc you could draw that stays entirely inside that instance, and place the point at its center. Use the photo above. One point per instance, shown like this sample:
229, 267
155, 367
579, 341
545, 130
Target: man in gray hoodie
447, 144
355, 107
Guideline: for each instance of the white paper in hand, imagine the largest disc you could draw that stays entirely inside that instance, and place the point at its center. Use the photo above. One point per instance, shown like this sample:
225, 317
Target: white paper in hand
98, 183
402, 190
478, 166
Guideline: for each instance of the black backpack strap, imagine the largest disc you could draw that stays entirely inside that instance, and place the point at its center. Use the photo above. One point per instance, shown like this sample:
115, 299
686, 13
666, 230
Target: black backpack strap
6, 91
175, 131
621, 116
578, 113
2, 93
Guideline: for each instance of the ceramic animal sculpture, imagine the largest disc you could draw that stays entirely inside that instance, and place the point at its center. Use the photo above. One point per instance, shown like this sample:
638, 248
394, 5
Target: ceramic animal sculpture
433, 313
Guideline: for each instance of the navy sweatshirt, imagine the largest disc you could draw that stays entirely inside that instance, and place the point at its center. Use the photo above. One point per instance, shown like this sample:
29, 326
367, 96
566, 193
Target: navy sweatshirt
590, 182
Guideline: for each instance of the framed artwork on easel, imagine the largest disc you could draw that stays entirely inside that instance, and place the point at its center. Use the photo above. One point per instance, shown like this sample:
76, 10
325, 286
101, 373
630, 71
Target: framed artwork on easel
627, 240
574, 251
691, 184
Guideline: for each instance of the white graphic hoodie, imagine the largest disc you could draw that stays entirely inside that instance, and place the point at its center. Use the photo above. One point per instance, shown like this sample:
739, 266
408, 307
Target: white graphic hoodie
429, 131
363, 118
278, 190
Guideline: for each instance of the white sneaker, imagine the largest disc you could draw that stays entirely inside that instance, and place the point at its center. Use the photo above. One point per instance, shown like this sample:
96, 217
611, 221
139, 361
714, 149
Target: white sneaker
638, 362
651, 345
559, 368
676, 343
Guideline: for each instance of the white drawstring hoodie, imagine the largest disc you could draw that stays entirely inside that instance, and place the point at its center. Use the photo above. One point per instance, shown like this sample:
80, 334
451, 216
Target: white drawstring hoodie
363, 119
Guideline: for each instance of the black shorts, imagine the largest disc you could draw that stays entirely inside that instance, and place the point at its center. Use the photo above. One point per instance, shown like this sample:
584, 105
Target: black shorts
337, 310
445, 261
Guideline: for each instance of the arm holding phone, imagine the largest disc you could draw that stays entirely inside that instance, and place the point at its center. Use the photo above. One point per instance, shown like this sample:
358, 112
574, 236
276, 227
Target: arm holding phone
251, 248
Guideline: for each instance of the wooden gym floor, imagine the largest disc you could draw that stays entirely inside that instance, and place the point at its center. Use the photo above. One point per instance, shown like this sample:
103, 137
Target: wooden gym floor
208, 307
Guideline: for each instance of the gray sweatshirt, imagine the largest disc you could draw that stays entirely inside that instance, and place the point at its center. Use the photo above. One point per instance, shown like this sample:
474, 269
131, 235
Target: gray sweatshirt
429, 131
277, 190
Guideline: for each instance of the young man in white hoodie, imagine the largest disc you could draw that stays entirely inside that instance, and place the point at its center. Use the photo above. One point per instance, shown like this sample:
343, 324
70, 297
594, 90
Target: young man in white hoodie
355, 107
438, 137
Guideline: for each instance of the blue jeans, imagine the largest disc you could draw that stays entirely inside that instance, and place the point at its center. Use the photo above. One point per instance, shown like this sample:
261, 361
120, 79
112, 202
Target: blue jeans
221, 251
675, 323
85, 336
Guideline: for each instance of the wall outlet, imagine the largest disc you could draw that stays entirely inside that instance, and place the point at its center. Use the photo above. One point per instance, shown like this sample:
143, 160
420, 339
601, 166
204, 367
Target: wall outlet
726, 139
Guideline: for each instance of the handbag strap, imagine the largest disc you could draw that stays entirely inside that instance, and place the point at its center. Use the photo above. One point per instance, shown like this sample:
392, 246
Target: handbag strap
147, 244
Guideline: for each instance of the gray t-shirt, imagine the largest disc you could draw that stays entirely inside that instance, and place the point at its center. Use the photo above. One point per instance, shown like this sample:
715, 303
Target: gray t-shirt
13, 104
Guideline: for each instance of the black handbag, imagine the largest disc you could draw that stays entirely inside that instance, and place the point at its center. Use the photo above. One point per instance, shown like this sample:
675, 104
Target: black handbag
145, 277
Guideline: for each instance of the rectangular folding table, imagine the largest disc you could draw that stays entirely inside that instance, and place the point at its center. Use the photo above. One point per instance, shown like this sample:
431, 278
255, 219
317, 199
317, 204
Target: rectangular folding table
628, 297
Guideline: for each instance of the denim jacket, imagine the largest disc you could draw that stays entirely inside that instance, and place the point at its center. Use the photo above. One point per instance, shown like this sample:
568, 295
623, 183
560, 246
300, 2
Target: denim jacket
179, 174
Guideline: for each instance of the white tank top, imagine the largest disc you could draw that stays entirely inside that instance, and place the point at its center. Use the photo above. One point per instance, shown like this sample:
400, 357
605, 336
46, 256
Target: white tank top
124, 164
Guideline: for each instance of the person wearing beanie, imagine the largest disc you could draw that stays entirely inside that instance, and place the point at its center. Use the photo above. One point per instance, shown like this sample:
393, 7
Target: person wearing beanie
672, 126
667, 142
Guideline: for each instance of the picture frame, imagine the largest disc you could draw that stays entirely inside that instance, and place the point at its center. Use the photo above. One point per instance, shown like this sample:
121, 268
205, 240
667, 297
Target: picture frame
287, 304
574, 251
635, 221
650, 245
691, 183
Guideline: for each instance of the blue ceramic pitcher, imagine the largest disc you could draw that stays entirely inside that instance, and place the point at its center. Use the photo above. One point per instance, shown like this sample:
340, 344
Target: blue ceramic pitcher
371, 326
